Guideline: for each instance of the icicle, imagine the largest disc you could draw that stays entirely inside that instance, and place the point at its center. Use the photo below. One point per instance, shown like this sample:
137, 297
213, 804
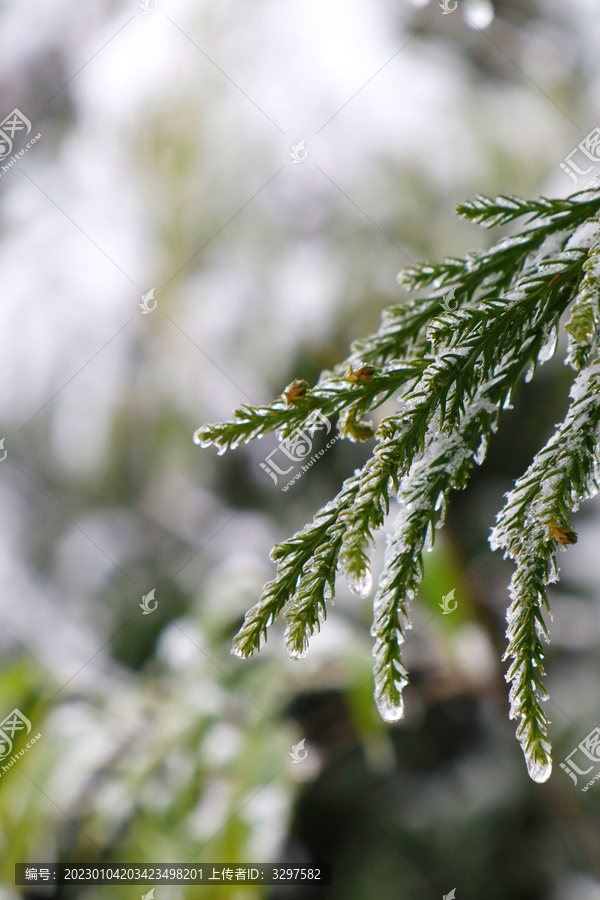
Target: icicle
360, 584
530, 372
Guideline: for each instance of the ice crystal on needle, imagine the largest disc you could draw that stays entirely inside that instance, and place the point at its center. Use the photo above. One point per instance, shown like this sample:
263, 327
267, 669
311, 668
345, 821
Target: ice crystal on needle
453, 369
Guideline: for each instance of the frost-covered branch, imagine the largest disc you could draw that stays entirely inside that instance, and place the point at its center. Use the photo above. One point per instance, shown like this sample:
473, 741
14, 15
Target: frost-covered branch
452, 359
535, 520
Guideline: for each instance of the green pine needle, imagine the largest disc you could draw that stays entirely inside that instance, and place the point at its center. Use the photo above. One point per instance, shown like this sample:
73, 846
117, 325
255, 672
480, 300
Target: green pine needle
453, 359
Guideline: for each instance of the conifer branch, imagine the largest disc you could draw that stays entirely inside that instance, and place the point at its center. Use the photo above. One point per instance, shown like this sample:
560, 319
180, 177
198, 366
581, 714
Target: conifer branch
329, 398
293, 558
453, 368
584, 323
535, 519
477, 340
423, 496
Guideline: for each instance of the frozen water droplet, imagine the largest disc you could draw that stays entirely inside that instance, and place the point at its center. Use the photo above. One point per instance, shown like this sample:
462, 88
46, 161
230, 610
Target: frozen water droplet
428, 543
295, 652
360, 584
296, 642
389, 712
548, 350
529, 373
538, 771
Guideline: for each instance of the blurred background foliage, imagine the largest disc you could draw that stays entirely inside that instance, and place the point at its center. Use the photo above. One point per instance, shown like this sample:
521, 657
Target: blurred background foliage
165, 162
